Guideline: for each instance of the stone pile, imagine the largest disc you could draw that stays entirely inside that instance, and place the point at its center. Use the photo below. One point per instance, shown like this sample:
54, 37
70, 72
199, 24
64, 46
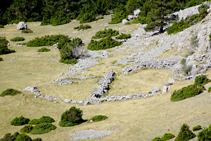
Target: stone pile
50, 98
62, 81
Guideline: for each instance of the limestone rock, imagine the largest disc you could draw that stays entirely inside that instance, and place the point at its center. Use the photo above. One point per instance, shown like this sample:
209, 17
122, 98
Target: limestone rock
165, 89
124, 21
68, 100
130, 17
154, 90
21, 26
137, 12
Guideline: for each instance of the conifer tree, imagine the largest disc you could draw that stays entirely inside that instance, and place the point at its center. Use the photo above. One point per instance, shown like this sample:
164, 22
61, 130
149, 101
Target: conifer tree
185, 134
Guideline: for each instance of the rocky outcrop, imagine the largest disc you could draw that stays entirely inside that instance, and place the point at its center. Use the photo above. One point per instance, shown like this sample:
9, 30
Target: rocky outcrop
125, 21
137, 12
21, 26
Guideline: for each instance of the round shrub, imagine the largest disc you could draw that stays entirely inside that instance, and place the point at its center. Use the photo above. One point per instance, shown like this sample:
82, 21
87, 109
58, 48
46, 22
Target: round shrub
37, 139
43, 50
42, 128
11, 92
19, 121
17, 39
196, 128
26, 129
205, 134
185, 134
43, 119
201, 80
23, 137
97, 118
1, 59
71, 117
167, 136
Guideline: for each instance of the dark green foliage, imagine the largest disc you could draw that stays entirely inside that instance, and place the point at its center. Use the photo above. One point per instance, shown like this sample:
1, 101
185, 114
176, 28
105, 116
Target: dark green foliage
3, 46
209, 89
185, 134
167, 136
84, 27
201, 80
37, 139
19, 121
97, 118
123, 36
11, 92
26, 129
23, 137
104, 43
43, 119
186, 92
46, 40
196, 128
43, 50
1, 59
67, 61
8, 137
17, 39
43, 128
157, 139
1, 26
26, 31
119, 15
132, 5
105, 33
205, 134
71, 117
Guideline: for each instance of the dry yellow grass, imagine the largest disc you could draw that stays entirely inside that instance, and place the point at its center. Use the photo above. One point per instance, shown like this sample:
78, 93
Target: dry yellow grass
136, 119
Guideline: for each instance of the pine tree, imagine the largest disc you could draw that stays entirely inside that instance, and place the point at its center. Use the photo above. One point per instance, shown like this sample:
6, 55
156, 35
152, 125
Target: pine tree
185, 134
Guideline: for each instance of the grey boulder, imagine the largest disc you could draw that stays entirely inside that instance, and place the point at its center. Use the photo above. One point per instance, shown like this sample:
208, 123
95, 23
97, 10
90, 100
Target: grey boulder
21, 26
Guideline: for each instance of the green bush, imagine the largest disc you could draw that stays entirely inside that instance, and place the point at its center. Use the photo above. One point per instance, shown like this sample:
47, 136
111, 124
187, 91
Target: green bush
97, 118
186, 92
196, 128
1, 59
26, 31
43, 50
205, 134
43, 119
104, 43
1, 26
9, 137
26, 129
11, 92
123, 36
17, 39
201, 80
167, 136
84, 27
105, 33
46, 40
157, 139
209, 89
71, 117
23, 137
3, 46
67, 61
37, 139
19, 121
185, 134
101, 17
119, 15
42, 128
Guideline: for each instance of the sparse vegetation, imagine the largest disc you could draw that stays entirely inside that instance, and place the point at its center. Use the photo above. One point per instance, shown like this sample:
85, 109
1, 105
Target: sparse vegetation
43, 50
9, 137
105, 33
97, 118
26, 129
43, 119
84, 27
167, 136
123, 36
194, 41
11, 92
26, 31
71, 117
43, 128
183, 61
104, 43
19, 121
196, 128
185, 134
17, 39
205, 134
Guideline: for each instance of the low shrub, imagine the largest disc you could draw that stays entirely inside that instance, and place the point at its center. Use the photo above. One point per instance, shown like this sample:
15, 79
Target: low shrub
43, 119
157, 139
46, 40
37, 139
84, 27
201, 80
196, 128
3, 46
209, 89
101, 17
185, 134
17, 39
1, 26
123, 36
105, 33
1, 59
42, 128
26, 31
186, 92
67, 61
43, 50
26, 129
97, 118
167, 136
183, 61
20, 121
23, 137
71, 117
8, 137
205, 134
11, 92
186, 69
104, 43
